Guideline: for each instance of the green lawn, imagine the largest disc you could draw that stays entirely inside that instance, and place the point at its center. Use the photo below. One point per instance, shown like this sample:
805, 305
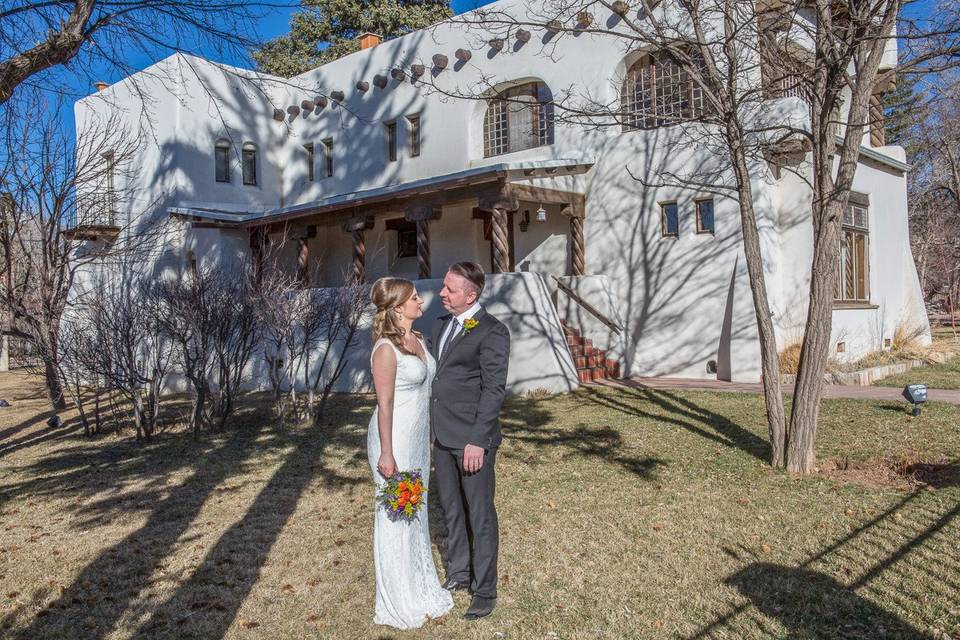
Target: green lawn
624, 514
936, 376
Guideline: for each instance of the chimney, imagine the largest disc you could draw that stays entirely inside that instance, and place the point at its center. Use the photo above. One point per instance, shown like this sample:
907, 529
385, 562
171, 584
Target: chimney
100, 85
369, 40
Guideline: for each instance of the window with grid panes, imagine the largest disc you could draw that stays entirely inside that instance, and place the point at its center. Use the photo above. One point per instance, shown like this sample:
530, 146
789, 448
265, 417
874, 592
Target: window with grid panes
222, 160
658, 92
853, 275
518, 118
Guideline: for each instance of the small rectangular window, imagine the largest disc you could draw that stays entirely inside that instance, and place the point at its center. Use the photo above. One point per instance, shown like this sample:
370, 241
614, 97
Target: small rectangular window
705, 216
391, 128
310, 160
669, 219
249, 165
328, 156
222, 159
414, 122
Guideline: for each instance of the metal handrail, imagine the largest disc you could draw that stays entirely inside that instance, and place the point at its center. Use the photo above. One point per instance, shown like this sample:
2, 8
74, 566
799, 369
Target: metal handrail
613, 326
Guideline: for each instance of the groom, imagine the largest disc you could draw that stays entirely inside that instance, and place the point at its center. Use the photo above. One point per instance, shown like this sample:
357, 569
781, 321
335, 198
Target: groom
472, 349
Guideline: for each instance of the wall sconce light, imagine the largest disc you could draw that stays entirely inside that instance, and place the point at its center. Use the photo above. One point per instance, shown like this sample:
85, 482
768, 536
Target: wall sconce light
541, 214
525, 220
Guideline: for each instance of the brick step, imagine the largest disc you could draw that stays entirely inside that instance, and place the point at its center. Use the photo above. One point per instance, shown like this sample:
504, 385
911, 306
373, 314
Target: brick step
590, 361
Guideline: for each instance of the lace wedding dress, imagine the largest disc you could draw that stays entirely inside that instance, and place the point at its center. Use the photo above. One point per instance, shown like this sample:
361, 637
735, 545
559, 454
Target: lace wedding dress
408, 589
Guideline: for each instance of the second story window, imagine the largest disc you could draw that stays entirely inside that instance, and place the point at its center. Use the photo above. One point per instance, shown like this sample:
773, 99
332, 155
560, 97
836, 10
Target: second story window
853, 275
328, 157
518, 118
413, 123
221, 154
705, 216
249, 163
658, 92
669, 219
391, 131
311, 160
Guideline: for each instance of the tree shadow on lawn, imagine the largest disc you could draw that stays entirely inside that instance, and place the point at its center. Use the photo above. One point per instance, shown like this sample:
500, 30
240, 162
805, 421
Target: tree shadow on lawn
683, 413
109, 585
812, 604
528, 423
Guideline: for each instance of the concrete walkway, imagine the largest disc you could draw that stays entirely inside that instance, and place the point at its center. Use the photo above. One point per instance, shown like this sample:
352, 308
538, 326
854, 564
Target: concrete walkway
829, 390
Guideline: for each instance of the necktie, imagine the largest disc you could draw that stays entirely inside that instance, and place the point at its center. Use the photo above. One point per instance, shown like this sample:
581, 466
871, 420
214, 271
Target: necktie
454, 327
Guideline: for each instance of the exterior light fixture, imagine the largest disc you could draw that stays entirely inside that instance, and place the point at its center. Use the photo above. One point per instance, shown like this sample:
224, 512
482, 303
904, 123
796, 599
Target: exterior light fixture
917, 394
541, 214
525, 220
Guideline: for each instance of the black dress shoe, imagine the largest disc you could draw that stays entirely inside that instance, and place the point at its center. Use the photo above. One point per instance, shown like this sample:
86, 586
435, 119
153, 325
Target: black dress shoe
480, 607
452, 584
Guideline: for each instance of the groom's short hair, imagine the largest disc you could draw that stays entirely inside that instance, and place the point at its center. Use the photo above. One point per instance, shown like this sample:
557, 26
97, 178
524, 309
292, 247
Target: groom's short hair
472, 272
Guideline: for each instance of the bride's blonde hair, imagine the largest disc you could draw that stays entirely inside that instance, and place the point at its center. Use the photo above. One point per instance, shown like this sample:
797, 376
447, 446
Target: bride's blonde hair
387, 294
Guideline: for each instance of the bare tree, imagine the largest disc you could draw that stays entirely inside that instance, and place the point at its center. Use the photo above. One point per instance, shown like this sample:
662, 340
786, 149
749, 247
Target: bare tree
236, 337
102, 36
125, 344
733, 58
53, 188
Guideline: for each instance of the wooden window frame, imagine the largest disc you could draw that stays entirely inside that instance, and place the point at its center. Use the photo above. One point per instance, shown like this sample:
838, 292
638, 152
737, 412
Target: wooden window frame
658, 92
311, 161
249, 152
508, 109
855, 253
392, 135
413, 123
663, 218
328, 157
713, 213
221, 153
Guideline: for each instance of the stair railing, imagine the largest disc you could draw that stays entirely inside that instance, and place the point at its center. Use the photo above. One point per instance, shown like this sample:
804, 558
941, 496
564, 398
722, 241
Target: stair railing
573, 295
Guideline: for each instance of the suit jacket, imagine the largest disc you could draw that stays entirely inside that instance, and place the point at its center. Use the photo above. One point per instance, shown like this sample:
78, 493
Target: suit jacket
470, 383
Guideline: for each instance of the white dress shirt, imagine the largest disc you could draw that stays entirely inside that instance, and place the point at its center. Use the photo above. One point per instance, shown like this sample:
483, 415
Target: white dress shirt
457, 323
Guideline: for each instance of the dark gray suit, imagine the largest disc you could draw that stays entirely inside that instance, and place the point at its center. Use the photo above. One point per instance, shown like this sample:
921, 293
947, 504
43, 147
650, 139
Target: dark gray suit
465, 403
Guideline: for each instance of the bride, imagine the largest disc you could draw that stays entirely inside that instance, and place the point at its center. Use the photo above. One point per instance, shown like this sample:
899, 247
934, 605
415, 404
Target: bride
408, 589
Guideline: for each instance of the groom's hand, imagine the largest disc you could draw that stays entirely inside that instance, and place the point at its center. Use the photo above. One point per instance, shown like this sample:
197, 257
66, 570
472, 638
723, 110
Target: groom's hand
472, 458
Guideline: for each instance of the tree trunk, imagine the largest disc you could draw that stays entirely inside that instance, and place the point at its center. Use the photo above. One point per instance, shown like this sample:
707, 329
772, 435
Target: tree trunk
769, 357
54, 385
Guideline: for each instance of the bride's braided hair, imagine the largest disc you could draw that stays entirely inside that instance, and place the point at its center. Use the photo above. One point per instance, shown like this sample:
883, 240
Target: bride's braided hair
387, 294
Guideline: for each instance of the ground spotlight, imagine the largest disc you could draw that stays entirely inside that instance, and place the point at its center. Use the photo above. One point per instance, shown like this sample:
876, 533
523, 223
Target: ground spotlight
917, 394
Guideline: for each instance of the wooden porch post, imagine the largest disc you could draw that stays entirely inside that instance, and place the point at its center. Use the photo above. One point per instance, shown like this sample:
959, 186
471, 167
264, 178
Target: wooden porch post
498, 201
303, 261
578, 263
258, 241
422, 214
357, 226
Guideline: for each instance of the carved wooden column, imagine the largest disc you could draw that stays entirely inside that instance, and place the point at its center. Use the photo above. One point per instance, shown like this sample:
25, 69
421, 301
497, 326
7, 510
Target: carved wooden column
303, 261
498, 201
877, 133
578, 261
422, 214
258, 242
356, 227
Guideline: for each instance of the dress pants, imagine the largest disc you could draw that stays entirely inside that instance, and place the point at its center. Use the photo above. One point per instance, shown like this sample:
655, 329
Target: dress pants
469, 512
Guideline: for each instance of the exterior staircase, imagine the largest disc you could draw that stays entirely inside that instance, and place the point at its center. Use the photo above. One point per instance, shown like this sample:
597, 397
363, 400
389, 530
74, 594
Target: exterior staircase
592, 363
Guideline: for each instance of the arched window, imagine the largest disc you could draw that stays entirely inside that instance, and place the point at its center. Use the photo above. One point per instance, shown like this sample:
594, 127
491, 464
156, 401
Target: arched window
518, 118
657, 92
249, 163
221, 155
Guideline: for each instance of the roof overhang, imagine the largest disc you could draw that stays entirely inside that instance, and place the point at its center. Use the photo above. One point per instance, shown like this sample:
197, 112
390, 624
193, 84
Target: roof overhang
434, 188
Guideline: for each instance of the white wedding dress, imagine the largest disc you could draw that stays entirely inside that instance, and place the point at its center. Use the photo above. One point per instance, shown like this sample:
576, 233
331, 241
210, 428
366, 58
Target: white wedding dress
408, 589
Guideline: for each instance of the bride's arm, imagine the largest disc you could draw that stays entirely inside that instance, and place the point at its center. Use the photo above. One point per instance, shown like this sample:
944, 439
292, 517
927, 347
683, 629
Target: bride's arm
384, 383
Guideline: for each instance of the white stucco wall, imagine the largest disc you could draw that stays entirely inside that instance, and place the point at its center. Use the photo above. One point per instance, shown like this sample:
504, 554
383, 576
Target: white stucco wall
685, 302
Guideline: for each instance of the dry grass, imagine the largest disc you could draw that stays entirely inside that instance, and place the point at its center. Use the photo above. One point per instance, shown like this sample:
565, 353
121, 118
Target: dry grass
624, 513
789, 358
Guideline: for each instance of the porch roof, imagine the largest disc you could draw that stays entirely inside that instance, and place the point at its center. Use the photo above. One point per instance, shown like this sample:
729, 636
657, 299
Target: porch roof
230, 216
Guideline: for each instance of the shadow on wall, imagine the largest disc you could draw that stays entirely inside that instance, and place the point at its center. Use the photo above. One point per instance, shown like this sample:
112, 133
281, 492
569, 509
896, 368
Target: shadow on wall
685, 298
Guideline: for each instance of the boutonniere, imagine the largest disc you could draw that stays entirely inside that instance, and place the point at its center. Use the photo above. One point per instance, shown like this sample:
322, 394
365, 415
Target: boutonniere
469, 325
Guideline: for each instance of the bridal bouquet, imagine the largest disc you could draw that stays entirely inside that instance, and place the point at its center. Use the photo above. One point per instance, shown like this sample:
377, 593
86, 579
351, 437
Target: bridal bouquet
402, 495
